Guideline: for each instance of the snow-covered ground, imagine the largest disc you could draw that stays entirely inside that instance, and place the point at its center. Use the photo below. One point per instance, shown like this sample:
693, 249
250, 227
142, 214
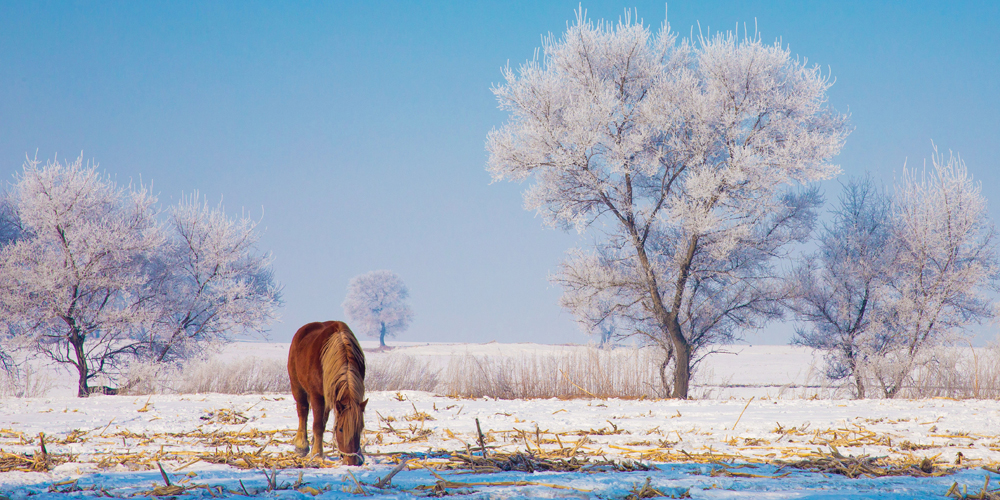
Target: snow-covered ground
110, 445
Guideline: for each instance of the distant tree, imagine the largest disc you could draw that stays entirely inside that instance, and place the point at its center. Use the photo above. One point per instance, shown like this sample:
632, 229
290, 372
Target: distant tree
74, 281
841, 290
376, 305
946, 261
679, 159
214, 283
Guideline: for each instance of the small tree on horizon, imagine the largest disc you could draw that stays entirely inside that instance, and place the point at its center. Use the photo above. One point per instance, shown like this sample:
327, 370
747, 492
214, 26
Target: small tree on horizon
376, 305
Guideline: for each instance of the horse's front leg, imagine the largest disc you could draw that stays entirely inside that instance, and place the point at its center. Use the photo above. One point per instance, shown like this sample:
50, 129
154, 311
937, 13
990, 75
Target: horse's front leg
320, 415
301, 441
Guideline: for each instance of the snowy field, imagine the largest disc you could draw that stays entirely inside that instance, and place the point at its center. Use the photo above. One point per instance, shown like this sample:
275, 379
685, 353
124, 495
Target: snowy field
734, 446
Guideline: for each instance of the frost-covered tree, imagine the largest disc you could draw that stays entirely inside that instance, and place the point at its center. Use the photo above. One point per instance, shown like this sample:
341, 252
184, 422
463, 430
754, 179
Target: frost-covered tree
679, 157
93, 278
946, 260
841, 291
74, 282
376, 305
214, 283
894, 276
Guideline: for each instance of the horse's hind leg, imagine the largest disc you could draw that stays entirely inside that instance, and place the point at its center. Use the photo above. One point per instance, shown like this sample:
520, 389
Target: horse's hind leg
301, 441
320, 415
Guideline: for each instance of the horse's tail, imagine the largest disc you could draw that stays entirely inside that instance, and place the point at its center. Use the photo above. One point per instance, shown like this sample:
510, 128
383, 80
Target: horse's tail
343, 367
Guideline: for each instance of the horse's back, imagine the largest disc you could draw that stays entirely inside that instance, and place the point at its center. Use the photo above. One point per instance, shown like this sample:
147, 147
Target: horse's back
305, 354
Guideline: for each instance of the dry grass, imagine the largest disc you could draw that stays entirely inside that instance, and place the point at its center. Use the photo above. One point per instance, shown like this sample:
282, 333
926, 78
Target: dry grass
24, 380
626, 372
390, 371
587, 372
959, 373
385, 372
246, 376
865, 466
584, 372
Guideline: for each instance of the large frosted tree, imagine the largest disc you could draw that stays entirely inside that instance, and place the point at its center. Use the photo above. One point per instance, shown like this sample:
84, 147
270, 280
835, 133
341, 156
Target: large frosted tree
680, 160
376, 305
74, 281
93, 278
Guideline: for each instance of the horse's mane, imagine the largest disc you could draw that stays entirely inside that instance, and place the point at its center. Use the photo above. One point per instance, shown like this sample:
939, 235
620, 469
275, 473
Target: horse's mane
344, 375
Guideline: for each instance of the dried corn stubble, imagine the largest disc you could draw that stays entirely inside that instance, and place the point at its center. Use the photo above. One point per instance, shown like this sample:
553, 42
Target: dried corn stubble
530, 462
647, 491
509, 449
833, 462
225, 416
37, 462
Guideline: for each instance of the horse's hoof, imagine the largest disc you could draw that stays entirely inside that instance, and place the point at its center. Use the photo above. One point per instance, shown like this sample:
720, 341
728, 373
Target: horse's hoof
302, 451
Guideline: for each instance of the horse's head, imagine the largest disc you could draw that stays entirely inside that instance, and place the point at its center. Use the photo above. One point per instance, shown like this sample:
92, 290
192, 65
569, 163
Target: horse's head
350, 424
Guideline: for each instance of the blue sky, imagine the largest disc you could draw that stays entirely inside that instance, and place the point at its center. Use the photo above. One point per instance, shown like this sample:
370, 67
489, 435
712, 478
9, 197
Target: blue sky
357, 129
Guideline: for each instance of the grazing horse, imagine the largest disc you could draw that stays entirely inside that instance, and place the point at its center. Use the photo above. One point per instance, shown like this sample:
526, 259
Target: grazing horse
327, 369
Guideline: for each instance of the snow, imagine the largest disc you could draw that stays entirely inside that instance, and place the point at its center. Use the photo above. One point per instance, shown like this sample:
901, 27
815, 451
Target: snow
658, 432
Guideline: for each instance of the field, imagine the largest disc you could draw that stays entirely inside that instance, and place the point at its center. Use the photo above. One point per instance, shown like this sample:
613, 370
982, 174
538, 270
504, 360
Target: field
768, 435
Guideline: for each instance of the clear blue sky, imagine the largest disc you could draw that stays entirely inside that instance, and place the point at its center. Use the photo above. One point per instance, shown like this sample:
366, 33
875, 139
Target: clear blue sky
358, 128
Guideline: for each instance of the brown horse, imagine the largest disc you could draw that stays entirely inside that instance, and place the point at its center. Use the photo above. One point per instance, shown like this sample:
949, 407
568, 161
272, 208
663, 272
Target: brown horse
327, 370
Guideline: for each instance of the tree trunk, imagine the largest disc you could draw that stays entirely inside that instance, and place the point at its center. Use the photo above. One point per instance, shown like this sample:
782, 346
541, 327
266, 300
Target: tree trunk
859, 383
77, 340
682, 368
83, 388
381, 337
669, 325
852, 364
664, 381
